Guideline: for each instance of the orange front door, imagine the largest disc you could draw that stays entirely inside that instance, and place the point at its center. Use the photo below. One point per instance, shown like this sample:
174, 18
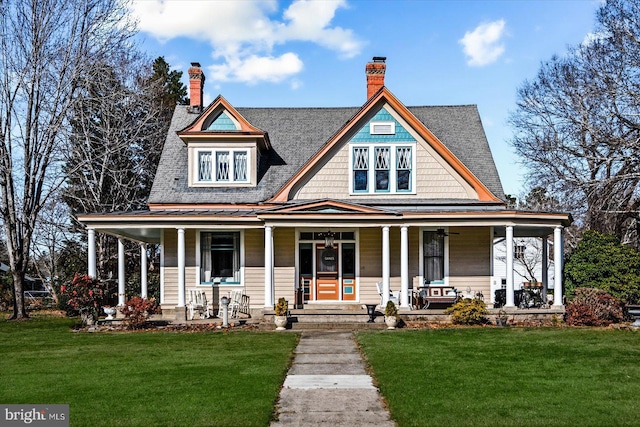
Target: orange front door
327, 273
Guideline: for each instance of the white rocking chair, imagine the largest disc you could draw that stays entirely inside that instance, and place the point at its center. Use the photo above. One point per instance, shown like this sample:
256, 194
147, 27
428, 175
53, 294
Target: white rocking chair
198, 303
393, 295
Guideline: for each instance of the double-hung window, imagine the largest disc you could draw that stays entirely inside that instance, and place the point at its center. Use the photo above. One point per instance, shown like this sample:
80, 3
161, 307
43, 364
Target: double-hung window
382, 168
220, 257
222, 166
433, 250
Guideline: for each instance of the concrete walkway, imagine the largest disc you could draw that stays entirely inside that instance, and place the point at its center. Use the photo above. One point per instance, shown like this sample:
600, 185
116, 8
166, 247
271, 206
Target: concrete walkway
328, 384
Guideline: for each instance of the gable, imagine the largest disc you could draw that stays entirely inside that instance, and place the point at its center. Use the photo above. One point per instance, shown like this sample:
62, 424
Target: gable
222, 122
400, 150
330, 171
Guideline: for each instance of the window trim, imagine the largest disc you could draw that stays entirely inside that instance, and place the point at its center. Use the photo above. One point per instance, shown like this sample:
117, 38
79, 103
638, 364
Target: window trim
446, 256
198, 279
392, 170
248, 150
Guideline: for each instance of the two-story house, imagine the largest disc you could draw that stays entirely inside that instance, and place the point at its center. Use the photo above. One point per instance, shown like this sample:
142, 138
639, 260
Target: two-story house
329, 205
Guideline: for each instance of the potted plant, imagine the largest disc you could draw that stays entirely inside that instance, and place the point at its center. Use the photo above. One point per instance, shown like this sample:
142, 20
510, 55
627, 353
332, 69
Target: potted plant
391, 315
280, 318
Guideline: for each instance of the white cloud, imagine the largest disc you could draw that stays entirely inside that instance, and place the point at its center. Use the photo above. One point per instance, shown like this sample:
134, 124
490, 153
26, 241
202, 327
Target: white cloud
484, 45
242, 34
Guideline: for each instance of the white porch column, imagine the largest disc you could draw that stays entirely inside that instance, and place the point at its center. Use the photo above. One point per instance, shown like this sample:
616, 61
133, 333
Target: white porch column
181, 266
143, 270
385, 265
120, 272
404, 266
268, 267
545, 267
91, 252
557, 264
509, 243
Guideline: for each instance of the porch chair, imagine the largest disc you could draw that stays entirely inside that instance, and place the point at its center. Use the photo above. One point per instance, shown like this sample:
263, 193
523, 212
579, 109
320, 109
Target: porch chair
198, 303
235, 301
393, 295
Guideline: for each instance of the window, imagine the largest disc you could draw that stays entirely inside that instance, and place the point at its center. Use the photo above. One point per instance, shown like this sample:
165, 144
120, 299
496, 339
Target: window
388, 167
433, 253
519, 251
222, 166
382, 128
220, 257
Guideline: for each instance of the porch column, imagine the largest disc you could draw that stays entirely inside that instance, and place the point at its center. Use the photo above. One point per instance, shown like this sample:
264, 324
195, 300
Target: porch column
143, 270
268, 266
91, 252
557, 264
120, 272
385, 265
545, 268
181, 266
509, 242
404, 267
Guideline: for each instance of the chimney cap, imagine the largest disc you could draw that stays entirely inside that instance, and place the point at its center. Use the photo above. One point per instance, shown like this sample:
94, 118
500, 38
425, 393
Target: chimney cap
195, 64
379, 58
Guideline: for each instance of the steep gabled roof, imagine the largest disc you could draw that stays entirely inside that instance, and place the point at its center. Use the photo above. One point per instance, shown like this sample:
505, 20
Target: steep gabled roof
297, 134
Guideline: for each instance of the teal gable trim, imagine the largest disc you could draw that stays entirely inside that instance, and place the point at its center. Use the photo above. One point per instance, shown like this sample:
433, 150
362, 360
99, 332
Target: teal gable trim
383, 115
222, 122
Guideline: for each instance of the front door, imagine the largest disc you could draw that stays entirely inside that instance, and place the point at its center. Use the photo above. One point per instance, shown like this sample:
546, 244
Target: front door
327, 273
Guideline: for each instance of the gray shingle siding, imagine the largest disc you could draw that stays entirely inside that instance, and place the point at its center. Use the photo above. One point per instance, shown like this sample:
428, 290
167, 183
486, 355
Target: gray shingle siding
296, 134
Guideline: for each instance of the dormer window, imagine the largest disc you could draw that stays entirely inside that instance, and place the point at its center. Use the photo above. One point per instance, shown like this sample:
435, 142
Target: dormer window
218, 165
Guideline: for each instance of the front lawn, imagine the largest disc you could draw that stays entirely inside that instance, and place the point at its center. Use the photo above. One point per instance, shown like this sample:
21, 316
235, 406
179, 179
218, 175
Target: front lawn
507, 377
144, 378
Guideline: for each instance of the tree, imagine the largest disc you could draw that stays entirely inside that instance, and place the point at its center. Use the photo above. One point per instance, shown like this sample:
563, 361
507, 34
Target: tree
46, 46
601, 261
577, 125
118, 127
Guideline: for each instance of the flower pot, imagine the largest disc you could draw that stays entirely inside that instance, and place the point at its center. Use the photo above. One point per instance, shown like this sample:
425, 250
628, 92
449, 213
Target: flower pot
391, 321
281, 322
109, 311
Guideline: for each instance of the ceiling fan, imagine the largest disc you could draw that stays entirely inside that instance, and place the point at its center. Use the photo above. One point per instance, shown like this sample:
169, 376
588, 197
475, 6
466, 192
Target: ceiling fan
442, 232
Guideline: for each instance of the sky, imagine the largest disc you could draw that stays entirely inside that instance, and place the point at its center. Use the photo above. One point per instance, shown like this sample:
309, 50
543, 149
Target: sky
312, 53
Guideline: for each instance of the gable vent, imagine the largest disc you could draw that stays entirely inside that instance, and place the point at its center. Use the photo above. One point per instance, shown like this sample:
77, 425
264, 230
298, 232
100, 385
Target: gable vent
382, 128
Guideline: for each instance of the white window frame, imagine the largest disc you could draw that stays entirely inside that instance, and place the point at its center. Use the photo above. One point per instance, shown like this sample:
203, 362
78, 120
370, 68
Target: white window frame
446, 255
199, 281
214, 158
393, 171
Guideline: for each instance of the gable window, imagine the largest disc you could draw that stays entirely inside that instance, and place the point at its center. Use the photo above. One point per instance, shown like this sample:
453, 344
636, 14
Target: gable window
218, 166
388, 166
433, 257
219, 257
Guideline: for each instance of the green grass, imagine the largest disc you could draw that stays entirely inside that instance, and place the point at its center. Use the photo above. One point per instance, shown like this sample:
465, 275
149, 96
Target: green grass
144, 378
507, 377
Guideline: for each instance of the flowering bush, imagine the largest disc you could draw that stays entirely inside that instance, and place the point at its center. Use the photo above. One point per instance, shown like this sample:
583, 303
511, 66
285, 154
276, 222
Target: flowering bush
85, 295
594, 307
137, 310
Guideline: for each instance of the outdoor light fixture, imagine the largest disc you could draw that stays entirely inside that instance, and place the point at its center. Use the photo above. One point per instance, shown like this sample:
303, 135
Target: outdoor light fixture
328, 239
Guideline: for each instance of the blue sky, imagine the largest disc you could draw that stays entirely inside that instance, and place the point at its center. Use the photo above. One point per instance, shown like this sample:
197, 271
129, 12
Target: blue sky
306, 53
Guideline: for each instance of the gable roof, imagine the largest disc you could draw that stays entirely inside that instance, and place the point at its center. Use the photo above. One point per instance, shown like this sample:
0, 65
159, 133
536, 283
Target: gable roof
297, 134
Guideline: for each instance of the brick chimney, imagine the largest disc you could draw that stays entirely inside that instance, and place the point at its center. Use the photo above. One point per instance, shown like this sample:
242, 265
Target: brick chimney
196, 86
375, 74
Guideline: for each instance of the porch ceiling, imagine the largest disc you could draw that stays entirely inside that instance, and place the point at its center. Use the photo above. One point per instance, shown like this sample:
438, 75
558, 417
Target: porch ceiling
146, 235
524, 231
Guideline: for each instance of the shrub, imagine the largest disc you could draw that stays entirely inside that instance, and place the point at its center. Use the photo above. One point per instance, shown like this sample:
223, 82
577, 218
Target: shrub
601, 261
594, 307
137, 310
391, 310
468, 312
85, 295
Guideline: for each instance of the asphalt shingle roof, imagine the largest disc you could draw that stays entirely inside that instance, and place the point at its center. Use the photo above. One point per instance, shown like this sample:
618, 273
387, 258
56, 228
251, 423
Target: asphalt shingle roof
296, 134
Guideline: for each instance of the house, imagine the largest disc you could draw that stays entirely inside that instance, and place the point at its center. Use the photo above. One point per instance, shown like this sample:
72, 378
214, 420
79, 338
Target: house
532, 263
324, 206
